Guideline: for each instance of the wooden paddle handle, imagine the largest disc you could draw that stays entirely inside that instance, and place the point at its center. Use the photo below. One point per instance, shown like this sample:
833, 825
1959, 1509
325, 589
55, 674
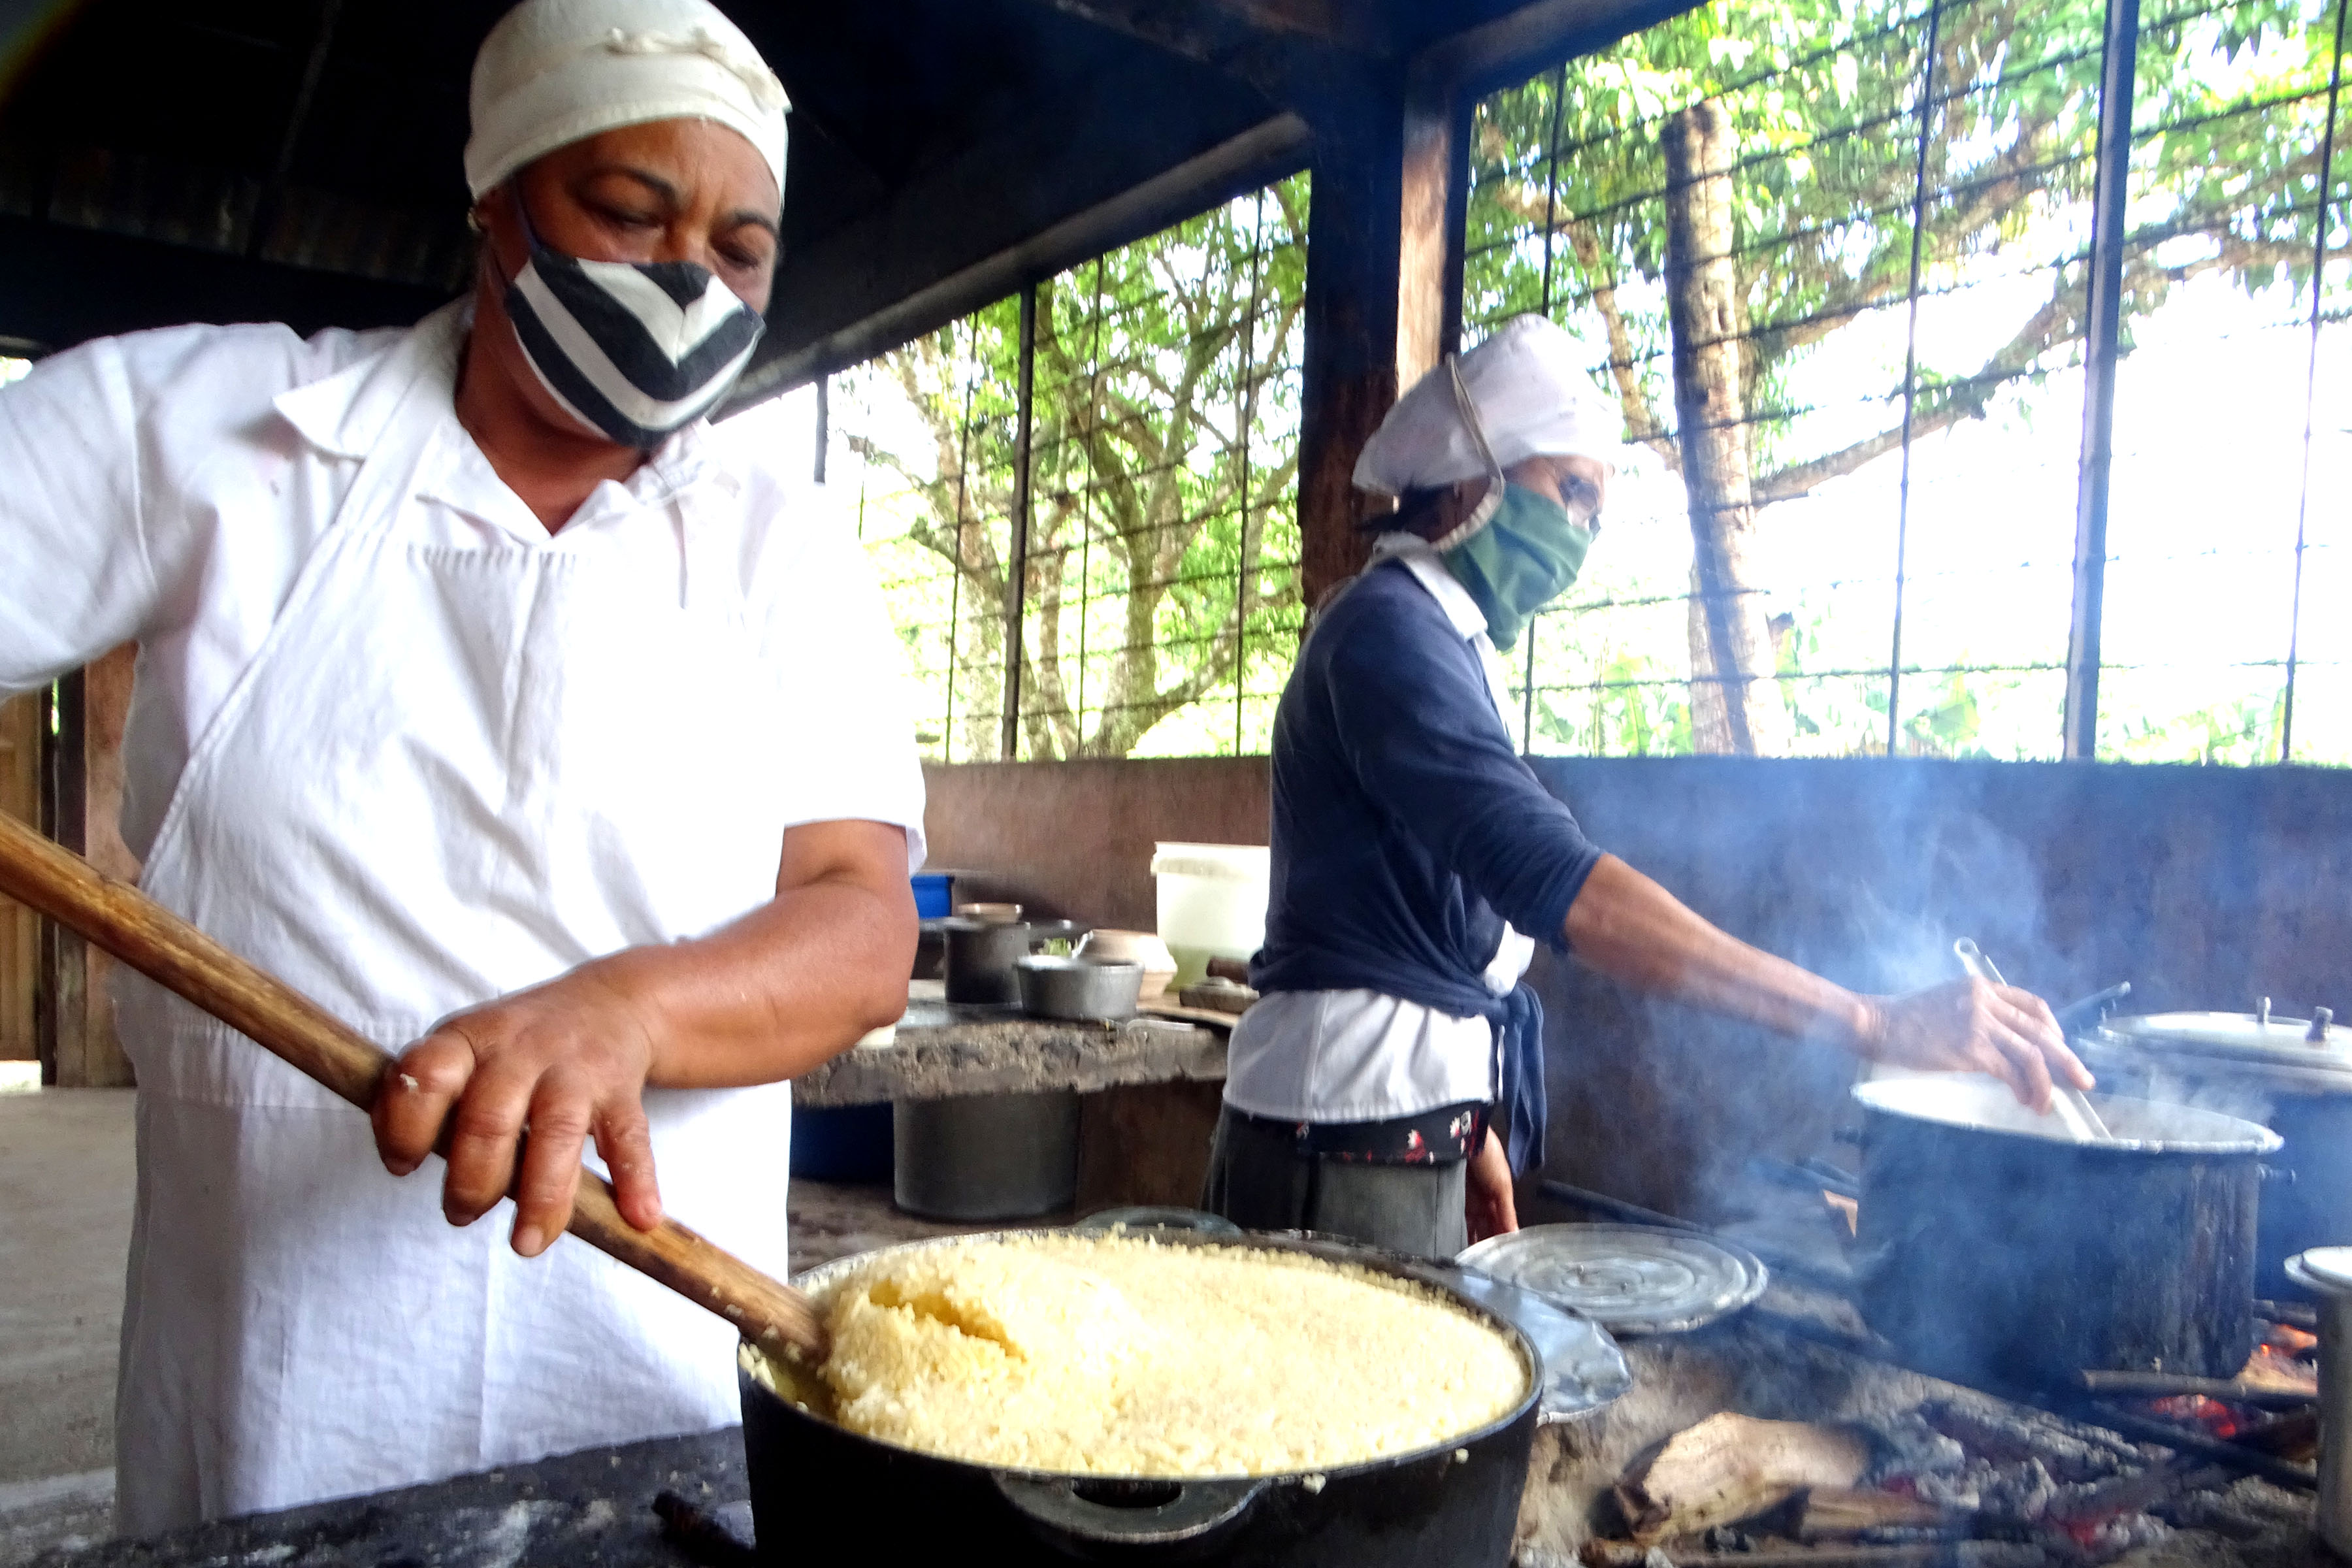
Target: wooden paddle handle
158, 943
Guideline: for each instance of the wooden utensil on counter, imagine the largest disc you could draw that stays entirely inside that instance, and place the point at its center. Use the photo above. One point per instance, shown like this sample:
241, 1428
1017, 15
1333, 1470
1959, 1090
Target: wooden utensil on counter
150, 938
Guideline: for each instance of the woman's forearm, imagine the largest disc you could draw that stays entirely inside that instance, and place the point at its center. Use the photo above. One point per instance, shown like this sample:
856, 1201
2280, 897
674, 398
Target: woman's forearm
789, 985
1630, 929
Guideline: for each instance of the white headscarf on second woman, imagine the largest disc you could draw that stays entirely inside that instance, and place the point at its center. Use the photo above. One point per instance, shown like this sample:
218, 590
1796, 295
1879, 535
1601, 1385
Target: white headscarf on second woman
1528, 383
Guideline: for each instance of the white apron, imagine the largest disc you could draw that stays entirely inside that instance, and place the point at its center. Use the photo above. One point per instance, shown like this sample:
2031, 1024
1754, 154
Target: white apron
448, 773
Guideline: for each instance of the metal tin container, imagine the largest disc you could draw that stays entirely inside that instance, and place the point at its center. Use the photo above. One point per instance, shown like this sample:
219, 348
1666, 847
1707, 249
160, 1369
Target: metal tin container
2326, 1273
1995, 1251
985, 1156
820, 1490
981, 954
1629, 1278
1079, 989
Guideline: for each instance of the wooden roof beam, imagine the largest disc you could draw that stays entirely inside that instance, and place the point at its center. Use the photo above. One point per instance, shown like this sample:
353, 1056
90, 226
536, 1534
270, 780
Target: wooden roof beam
1533, 37
65, 285
965, 235
1287, 50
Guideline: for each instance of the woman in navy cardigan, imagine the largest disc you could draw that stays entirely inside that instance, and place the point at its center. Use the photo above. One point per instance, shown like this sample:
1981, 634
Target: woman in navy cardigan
1390, 1082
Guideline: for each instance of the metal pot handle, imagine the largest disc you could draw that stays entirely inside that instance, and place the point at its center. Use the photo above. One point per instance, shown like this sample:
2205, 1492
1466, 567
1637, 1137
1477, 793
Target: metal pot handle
1127, 1512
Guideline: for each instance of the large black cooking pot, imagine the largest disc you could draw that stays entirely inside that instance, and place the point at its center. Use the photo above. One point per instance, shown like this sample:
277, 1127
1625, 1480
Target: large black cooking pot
1993, 1250
820, 1492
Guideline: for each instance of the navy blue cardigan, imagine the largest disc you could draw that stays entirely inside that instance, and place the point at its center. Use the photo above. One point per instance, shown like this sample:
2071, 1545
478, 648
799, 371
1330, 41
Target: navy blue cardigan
1406, 829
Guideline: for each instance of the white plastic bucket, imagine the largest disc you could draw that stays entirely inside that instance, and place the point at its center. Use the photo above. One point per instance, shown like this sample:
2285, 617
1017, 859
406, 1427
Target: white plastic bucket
1211, 903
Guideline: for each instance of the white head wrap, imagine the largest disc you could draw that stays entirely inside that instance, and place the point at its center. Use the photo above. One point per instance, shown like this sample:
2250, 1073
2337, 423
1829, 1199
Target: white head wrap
554, 71
1528, 386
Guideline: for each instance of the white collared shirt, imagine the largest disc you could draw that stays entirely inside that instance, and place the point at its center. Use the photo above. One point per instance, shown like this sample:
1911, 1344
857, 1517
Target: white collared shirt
1363, 1056
166, 487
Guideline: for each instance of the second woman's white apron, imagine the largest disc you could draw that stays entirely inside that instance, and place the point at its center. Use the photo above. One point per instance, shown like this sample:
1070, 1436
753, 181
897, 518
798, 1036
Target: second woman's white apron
464, 761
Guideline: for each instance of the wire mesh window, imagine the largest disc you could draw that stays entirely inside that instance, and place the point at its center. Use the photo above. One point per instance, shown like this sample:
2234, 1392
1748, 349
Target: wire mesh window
1853, 243
1151, 560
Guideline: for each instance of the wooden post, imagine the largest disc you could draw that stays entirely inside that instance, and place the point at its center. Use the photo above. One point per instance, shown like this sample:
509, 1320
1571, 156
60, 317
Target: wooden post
22, 720
1383, 267
84, 797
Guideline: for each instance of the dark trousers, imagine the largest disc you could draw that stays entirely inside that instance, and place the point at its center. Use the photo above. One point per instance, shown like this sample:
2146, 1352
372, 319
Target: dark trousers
1259, 1179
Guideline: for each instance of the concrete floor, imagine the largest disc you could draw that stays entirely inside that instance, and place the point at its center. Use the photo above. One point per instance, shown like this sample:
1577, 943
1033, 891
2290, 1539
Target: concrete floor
65, 1222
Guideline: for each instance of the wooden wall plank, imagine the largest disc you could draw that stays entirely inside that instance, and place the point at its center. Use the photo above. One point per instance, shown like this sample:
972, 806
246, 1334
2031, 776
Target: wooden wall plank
20, 929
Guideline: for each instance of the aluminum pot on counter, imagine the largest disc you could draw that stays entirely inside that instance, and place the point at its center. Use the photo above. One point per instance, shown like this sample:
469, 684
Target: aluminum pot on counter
820, 1491
2292, 1075
983, 956
1993, 1250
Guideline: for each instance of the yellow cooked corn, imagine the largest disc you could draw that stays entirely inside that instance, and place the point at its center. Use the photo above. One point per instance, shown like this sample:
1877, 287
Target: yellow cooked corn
1119, 1356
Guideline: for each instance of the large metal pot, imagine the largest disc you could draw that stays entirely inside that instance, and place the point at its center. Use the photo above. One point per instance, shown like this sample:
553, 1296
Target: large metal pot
982, 955
820, 1491
1993, 1250
2292, 1075
985, 1156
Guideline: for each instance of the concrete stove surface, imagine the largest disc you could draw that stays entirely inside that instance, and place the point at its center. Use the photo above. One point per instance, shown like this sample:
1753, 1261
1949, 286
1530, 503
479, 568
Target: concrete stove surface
590, 1509
946, 1048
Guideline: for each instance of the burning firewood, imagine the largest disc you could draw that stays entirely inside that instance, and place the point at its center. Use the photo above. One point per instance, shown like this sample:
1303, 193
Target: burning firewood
1840, 1513
2169, 1385
2070, 1451
2290, 1340
1729, 1467
1848, 1212
2271, 1368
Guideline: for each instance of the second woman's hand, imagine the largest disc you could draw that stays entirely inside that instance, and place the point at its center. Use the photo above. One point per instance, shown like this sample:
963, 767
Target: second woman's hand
1490, 1205
1974, 1026
568, 1061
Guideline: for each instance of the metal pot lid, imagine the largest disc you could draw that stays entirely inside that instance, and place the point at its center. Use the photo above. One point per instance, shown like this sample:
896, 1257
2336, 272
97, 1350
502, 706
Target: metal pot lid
2135, 1126
1583, 1369
2256, 1040
1629, 1278
2323, 1270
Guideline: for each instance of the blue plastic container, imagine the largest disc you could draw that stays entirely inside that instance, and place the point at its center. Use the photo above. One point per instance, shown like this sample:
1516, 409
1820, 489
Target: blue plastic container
843, 1142
934, 894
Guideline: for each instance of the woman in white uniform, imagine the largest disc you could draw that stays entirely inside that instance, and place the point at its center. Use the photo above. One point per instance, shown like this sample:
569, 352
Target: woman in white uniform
485, 696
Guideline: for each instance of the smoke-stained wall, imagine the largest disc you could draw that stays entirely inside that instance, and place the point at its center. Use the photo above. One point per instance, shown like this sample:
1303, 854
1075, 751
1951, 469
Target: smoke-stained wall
2203, 887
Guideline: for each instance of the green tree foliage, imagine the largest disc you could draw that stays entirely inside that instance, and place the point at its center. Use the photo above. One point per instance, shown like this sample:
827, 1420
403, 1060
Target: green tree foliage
1163, 479
1825, 101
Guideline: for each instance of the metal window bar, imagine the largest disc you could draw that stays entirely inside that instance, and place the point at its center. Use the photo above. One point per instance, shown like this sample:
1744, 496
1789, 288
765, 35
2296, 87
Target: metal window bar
2134, 240
1924, 196
1085, 533
1552, 239
2080, 725
955, 582
1016, 565
1246, 417
2311, 377
1911, 381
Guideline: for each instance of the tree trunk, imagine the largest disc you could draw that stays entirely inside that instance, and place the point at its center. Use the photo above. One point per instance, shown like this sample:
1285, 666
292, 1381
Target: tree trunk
1732, 710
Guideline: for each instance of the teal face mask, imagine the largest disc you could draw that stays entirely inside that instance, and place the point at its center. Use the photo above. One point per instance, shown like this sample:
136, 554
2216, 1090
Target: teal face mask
1528, 554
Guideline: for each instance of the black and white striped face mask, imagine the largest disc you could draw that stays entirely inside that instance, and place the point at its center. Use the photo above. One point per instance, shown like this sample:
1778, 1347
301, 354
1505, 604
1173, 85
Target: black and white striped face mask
633, 349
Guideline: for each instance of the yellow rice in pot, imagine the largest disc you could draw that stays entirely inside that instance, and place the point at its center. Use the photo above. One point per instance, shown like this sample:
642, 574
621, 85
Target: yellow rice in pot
1116, 1356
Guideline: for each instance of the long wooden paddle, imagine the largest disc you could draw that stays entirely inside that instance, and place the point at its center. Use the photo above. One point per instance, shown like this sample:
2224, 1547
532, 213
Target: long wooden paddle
158, 943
